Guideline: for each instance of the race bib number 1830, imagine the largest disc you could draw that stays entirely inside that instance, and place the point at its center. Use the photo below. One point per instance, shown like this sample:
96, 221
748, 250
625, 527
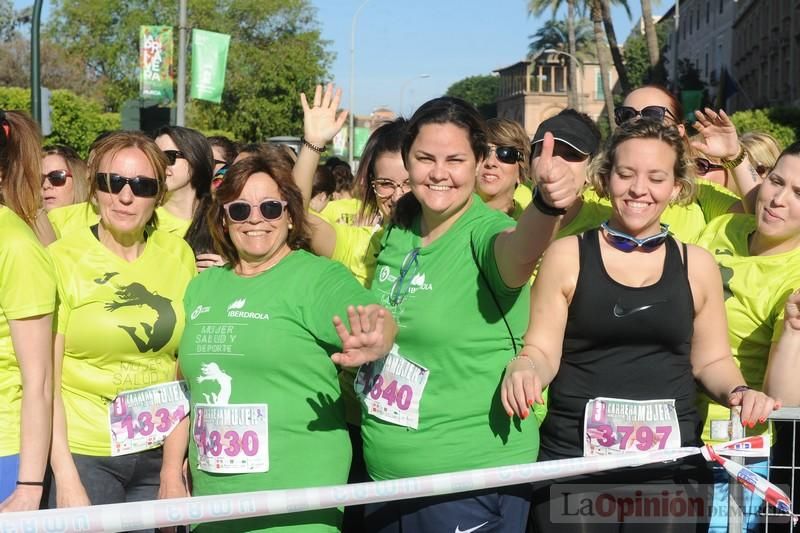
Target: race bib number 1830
231, 439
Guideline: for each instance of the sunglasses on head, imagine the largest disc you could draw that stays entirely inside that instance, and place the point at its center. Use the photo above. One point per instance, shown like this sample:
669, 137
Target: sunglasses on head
239, 210
57, 178
5, 129
627, 243
173, 155
704, 166
141, 186
506, 154
625, 113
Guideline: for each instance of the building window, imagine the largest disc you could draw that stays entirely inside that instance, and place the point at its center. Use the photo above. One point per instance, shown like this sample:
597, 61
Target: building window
598, 86
708, 12
721, 6
698, 20
706, 69
691, 21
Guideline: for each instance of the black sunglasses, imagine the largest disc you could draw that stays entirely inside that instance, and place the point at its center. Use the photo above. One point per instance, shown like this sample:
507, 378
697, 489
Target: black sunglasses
625, 113
173, 155
704, 166
5, 129
507, 154
239, 210
141, 186
57, 178
762, 169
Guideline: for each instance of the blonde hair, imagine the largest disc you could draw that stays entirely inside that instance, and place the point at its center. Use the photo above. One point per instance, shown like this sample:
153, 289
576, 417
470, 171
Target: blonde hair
761, 148
76, 166
504, 132
21, 167
601, 166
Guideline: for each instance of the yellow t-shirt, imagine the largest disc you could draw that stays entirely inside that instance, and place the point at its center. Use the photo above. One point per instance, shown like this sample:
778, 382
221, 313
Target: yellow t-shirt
357, 248
122, 322
172, 224
27, 289
341, 211
65, 220
755, 290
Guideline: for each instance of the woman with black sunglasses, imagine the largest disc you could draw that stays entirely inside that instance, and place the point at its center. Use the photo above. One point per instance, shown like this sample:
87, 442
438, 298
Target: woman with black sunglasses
503, 177
262, 343
64, 177
625, 317
120, 317
27, 302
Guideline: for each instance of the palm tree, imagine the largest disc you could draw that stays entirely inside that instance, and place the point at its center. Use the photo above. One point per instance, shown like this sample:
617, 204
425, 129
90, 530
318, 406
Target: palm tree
650, 33
536, 8
600, 42
611, 36
554, 34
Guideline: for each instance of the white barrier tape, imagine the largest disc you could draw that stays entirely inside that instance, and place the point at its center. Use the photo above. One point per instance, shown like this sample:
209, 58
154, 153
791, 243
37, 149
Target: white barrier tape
203, 509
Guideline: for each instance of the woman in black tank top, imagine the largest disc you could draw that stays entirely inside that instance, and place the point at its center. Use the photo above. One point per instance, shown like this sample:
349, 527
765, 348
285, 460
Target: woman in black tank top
624, 319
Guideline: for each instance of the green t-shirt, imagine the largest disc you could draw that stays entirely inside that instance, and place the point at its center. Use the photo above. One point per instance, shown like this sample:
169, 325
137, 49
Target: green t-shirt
755, 290
121, 322
27, 289
269, 339
450, 324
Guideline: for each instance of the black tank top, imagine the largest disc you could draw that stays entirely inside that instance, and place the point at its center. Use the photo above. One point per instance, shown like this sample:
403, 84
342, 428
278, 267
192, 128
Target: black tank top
622, 342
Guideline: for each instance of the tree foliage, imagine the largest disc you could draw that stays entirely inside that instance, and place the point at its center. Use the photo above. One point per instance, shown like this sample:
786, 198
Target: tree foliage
637, 59
781, 123
480, 91
553, 34
276, 51
76, 120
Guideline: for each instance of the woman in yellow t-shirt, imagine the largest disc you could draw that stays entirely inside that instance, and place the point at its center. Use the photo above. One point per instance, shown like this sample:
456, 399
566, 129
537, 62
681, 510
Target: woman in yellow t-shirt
119, 322
506, 168
64, 180
27, 300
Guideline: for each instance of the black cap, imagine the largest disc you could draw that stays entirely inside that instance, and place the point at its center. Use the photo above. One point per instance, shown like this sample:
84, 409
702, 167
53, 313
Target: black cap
570, 129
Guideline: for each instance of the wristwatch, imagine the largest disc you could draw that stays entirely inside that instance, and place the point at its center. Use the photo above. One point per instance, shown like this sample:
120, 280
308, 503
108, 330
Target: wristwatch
735, 162
544, 207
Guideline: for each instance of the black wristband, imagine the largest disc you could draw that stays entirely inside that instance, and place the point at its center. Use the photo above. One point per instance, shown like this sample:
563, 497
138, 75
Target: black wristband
31, 483
544, 207
318, 149
740, 388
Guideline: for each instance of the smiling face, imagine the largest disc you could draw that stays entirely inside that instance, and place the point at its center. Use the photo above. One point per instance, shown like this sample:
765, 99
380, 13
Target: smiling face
56, 196
778, 206
496, 178
442, 168
124, 213
641, 185
259, 241
389, 168
179, 175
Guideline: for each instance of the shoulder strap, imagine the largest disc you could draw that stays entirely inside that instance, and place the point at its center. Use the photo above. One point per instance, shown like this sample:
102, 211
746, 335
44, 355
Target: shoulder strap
494, 297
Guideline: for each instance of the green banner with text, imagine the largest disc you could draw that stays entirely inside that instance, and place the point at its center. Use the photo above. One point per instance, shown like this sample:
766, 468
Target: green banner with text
155, 62
209, 59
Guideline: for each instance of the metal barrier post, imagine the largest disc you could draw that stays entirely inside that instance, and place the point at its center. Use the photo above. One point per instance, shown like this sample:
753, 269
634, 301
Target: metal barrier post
779, 520
735, 494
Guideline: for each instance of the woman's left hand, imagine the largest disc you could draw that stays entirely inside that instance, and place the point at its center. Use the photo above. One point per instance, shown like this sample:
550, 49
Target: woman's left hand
720, 139
24, 498
320, 122
365, 341
755, 406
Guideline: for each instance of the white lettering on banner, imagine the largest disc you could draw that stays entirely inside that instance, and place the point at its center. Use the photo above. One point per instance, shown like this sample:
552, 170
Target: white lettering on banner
141, 419
178, 511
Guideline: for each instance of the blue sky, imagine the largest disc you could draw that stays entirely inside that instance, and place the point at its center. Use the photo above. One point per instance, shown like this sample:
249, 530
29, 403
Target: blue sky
397, 41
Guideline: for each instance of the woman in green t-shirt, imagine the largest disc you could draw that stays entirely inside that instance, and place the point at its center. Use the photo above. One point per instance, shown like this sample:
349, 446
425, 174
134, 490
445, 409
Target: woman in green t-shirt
260, 353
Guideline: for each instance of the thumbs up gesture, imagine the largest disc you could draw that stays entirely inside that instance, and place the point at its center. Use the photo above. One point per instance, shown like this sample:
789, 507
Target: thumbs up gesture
556, 182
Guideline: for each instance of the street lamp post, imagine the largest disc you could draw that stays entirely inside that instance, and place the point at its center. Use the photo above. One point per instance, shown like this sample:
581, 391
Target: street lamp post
405, 86
578, 61
352, 130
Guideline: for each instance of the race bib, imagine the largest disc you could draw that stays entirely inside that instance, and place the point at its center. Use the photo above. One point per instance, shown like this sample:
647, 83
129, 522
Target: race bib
612, 426
141, 419
231, 439
391, 388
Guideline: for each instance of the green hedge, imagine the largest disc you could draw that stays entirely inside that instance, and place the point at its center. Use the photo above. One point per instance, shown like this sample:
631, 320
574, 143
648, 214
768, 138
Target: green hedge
76, 121
780, 122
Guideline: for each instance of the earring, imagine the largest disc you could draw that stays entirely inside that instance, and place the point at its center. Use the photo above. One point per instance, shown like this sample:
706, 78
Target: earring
290, 225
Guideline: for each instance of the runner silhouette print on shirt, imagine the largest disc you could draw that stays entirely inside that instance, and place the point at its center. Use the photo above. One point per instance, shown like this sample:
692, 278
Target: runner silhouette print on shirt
157, 334
212, 372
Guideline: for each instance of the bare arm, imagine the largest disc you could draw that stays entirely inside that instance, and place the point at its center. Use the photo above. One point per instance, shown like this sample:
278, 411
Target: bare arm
32, 340
540, 357
783, 367
518, 250
69, 488
712, 363
721, 140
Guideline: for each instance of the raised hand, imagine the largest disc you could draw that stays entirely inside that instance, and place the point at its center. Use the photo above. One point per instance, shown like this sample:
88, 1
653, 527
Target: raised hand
320, 123
366, 340
720, 139
555, 181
